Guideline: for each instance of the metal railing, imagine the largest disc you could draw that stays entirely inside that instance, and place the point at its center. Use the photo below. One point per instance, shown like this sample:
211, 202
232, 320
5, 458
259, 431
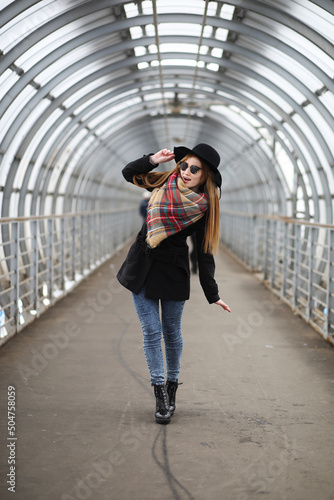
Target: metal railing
43, 258
294, 258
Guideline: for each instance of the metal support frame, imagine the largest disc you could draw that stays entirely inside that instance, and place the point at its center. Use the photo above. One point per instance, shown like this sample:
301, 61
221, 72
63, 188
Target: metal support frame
238, 27
329, 324
34, 264
59, 260
297, 264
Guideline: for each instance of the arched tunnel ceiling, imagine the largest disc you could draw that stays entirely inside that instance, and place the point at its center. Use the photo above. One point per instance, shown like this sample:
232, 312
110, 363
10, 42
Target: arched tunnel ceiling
86, 86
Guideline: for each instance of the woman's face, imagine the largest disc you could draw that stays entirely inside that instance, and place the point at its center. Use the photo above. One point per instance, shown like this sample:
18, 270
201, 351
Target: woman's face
193, 181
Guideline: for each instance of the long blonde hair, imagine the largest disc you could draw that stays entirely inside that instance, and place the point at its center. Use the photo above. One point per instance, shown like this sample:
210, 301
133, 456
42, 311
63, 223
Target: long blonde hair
208, 186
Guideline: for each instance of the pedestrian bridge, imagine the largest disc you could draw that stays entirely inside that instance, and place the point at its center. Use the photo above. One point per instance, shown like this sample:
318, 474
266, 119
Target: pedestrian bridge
254, 413
87, 86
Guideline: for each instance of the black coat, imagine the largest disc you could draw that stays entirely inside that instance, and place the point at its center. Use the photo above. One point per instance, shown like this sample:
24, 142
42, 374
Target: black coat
165, 269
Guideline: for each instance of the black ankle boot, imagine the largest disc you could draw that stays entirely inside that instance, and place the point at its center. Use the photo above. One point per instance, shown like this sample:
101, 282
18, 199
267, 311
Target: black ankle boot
162, 413
171, 391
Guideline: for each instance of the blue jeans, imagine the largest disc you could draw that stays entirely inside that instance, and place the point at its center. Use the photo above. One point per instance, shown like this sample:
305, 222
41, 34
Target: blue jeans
152, 326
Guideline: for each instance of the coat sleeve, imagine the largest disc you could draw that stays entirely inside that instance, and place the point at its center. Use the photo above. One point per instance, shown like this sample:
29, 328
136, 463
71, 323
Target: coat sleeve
140, 166
206, 267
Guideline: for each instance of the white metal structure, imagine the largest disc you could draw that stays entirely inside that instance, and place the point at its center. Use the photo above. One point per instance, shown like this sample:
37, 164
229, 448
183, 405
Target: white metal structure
86, 86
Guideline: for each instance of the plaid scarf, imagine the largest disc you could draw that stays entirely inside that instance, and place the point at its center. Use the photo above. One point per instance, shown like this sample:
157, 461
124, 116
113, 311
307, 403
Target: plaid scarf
172, 207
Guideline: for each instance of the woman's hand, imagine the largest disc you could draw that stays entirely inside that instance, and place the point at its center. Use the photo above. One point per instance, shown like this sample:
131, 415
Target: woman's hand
162, 156
223, 305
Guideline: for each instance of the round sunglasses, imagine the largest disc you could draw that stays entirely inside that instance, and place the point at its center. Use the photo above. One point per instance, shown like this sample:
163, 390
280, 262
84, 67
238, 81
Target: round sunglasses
193, 168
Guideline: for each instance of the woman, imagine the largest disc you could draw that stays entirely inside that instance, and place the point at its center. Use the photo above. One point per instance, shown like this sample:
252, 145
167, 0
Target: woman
184, 200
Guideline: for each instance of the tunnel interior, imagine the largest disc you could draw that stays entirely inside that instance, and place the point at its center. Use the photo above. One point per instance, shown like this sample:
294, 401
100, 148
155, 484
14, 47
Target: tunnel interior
87, 86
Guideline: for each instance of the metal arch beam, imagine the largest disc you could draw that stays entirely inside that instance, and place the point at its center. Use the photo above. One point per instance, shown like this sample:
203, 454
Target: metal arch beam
267, 63
225, 143
228, 139
61, 75
326, 184
293, 159
46, 89
286, 150
136, 18
234, 66
219, 139
86, 8
46, 29
73, 187
63, 97
223, 100
325, 4
250, 102
14, 9
112, 135
90, 146
281, 17
74, 151
225, 45
28, 77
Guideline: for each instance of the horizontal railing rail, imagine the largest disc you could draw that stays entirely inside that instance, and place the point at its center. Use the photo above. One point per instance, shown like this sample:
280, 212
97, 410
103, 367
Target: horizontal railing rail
42, 258
294, 258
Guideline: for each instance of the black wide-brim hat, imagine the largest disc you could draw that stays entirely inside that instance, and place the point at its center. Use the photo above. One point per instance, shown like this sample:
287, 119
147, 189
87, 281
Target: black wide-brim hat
205, 153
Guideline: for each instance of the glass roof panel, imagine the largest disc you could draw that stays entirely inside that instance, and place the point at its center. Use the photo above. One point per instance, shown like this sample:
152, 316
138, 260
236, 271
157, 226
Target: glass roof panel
82, 73
27, 21
221, 34
136, 32
282, 60
272, 76
326, 131
178, 62
179, 47
311, 14
174, 29
131, 10
62, 35
84, 91
14, 109
7, 80
184, 6
227, 11
188, 71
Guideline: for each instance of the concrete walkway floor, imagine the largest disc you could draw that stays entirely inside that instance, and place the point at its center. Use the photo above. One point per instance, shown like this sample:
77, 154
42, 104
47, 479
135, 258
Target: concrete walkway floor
254, 415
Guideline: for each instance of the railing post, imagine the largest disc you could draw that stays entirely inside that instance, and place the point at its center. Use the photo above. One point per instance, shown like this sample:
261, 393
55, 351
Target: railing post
62, 253
266, 251
14, 274
81, 249
273, 253
297, 245
284, 259
73, 235
34, 264
89, 239
49, 256
329, 322
99, 237
311, 261
255, 233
